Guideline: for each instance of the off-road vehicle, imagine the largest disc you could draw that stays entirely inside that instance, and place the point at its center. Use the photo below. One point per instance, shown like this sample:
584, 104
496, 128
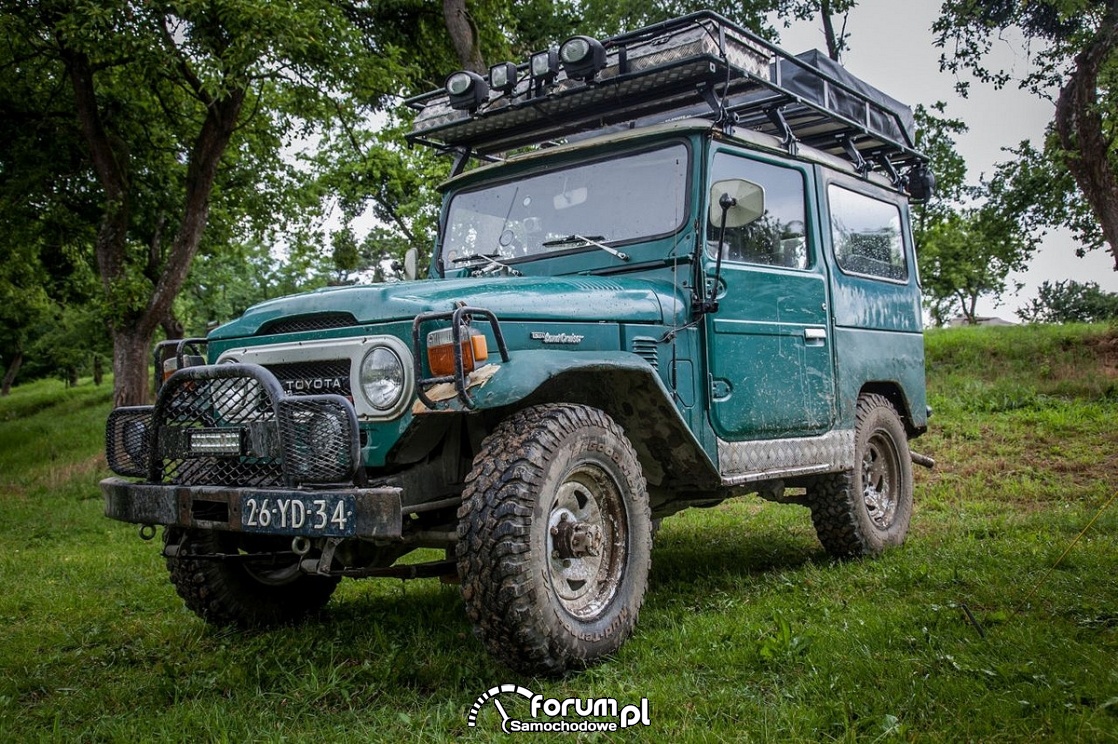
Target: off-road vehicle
673, 267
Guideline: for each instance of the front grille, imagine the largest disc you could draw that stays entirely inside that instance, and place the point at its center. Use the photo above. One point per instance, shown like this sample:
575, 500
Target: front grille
314, 378
304, 323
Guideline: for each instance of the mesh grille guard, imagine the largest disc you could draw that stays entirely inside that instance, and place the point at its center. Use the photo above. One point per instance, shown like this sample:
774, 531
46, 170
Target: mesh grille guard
232, 424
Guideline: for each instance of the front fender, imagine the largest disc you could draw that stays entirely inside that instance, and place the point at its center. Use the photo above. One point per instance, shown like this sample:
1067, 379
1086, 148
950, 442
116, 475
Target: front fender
526, 371
623, 385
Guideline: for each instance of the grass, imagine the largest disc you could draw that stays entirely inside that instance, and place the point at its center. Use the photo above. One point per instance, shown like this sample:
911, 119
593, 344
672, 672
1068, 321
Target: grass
749, 632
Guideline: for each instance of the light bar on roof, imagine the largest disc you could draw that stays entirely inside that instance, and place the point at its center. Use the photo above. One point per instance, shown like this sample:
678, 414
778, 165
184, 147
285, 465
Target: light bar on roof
639, 77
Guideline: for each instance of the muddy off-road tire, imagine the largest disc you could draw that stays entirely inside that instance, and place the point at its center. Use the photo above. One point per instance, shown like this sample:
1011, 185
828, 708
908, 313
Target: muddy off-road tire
868, 510
554, 539
245, 593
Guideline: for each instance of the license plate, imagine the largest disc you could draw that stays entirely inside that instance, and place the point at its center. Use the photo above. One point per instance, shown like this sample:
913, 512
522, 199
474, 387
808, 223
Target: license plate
327, 515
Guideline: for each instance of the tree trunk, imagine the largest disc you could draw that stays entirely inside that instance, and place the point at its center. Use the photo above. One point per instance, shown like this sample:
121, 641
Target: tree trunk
133, 334
173, 327
463, 35
98, 370
10, 373
1080, 128
835, 43
131, 367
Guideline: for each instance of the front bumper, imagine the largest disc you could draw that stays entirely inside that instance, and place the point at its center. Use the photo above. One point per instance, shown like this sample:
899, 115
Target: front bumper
376, 512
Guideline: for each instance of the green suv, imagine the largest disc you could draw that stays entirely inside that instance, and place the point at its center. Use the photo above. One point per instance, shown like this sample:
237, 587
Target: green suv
681, 271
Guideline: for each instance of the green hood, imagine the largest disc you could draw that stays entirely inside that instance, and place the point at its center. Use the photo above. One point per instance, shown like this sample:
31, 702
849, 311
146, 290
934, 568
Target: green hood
571, 299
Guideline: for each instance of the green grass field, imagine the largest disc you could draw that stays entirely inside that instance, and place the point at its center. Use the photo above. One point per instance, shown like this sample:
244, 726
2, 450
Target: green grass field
749, 632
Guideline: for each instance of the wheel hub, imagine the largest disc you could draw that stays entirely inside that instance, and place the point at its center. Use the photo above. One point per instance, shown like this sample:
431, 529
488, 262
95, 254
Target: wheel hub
879, 486
574, 539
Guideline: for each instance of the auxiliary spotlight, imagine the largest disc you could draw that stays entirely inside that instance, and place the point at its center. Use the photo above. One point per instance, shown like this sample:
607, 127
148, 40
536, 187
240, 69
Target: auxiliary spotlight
502, 77
582, 57
467, 90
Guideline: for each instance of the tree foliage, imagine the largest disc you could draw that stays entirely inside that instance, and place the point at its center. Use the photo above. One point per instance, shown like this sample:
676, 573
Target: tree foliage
1070, 301
175, 116
1073, 48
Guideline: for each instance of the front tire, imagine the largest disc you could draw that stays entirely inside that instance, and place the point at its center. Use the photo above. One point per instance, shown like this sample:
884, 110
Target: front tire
246, 592
868, 510
554, 539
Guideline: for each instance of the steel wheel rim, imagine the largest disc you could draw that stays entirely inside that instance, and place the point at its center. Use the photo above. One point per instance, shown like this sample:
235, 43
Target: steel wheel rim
881, 480
588, 502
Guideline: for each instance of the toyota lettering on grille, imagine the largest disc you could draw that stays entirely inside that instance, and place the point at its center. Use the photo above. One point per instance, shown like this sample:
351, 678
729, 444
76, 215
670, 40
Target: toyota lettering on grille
315, 385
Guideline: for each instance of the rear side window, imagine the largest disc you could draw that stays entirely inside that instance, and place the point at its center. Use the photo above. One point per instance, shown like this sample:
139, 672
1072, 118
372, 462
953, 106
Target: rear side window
866, 233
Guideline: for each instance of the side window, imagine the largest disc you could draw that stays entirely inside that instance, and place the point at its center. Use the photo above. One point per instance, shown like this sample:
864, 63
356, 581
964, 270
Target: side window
867, 235
777, 238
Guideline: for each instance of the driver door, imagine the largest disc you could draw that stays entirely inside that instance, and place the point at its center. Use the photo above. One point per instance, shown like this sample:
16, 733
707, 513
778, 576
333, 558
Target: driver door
768, 345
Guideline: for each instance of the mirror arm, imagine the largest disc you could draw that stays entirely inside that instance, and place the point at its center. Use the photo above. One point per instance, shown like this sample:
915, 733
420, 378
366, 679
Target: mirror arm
706, 302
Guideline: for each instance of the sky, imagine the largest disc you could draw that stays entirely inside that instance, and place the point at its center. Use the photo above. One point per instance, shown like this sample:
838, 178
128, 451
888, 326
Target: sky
891, 47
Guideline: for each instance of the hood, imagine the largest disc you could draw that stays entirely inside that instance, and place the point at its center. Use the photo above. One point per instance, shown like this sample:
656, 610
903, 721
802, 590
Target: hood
572, 299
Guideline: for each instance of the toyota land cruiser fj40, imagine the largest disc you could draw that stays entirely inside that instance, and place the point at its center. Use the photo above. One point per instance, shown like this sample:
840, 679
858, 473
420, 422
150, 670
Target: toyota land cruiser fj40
682, 271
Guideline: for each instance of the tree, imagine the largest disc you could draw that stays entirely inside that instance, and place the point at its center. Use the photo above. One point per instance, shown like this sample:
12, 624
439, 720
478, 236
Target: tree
1069, 301
181, 110
969, 254
23, 303
1078, 40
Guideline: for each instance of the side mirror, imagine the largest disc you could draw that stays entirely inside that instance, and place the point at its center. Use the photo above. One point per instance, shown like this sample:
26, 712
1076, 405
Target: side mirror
411, 267
747, 199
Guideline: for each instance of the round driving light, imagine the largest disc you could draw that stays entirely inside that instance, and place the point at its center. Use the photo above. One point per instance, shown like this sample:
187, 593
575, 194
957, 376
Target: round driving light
467, 90
574, 50
382, 378
458, 83
582, 57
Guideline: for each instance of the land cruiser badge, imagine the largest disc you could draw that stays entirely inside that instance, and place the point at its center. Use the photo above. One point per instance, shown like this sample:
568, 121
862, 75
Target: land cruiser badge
557, 338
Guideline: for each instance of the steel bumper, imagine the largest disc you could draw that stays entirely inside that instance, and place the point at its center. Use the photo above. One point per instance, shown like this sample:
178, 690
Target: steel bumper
377, 511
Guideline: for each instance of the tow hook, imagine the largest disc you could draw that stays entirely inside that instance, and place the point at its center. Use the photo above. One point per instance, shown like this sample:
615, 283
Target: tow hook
923, 460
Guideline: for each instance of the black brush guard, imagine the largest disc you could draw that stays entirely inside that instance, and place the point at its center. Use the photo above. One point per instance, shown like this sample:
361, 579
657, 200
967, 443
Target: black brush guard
460, 320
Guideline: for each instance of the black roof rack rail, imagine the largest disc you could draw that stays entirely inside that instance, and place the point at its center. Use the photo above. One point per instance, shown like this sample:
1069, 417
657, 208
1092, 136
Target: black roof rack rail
698, 65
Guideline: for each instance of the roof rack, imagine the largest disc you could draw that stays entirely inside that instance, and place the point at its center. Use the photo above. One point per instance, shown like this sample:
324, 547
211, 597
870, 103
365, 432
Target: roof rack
698, 65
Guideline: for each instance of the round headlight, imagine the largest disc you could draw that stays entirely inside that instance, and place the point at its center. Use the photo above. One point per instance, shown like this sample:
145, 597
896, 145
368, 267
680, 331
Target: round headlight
382, 378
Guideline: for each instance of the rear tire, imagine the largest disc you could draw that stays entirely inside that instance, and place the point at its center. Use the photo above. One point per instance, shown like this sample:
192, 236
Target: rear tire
244, 592
554, 539
865, 511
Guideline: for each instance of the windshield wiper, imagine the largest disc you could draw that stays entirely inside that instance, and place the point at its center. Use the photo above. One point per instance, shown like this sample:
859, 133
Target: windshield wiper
584, 240
490, 259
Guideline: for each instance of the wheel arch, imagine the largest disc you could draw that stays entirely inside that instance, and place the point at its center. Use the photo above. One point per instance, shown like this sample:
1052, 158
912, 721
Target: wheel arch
893, 392
625, 387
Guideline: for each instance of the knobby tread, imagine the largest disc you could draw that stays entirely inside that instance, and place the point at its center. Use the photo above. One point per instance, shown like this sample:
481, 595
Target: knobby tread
223, 593
502, 579
838, 510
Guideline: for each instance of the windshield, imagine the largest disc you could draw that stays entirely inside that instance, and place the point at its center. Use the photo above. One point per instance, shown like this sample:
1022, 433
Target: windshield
583, 206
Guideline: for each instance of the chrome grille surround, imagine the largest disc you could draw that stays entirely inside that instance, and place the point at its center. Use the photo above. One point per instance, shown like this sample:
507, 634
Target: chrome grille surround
289, 357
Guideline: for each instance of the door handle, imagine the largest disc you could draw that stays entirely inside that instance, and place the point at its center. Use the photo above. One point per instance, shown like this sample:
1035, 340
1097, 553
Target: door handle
815, 334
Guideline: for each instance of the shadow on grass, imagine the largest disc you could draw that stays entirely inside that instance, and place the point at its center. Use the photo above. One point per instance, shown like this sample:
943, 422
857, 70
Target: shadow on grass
391, 638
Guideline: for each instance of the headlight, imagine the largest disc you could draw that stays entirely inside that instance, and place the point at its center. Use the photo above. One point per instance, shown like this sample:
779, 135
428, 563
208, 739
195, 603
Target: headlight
382, 378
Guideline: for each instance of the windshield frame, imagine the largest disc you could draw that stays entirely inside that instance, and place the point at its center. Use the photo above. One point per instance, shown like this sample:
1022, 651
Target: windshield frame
580, 160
